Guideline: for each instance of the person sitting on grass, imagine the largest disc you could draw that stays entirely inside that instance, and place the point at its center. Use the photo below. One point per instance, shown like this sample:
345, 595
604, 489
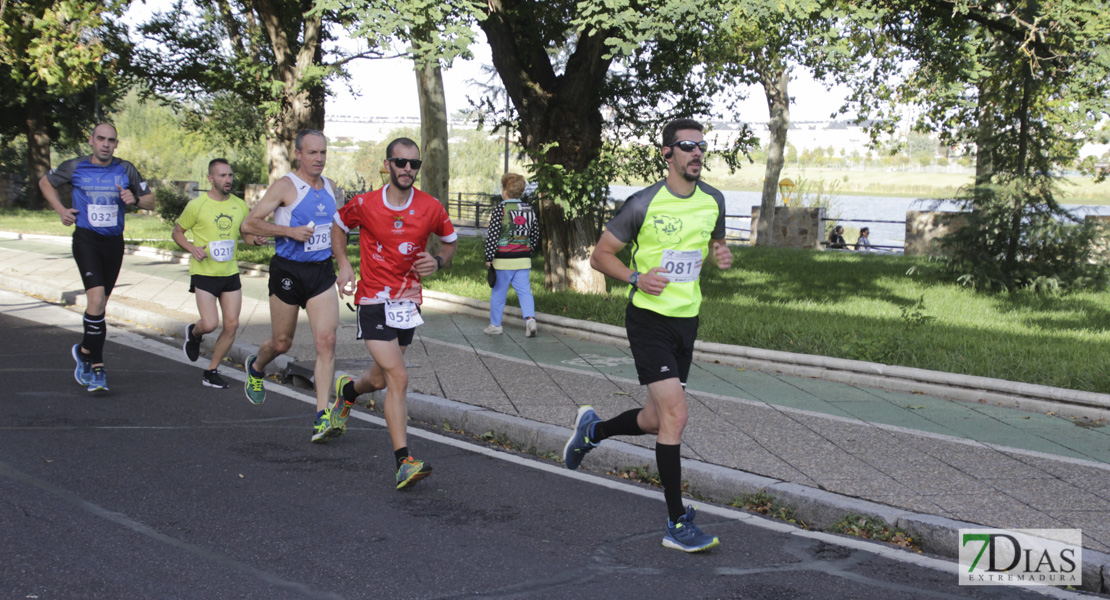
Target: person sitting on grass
836, 239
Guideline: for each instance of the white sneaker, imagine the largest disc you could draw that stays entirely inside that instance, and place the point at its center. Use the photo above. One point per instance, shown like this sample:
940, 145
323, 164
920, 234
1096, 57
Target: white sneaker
530, 328
493, 330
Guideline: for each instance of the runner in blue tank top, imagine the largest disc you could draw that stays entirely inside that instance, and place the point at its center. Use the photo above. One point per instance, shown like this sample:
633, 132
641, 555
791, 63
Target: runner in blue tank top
104, 188
302, 272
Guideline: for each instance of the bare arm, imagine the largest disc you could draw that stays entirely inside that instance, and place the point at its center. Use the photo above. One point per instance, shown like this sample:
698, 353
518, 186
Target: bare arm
179, 237
345, 278
426, 264
146, 202
604, 259
276, 195
721, 254
68, 215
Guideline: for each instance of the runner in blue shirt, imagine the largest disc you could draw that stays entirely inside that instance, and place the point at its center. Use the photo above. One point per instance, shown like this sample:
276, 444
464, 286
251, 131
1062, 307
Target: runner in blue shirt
104, 188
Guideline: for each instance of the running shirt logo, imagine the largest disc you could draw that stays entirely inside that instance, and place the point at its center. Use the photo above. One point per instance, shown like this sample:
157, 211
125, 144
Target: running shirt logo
407, 248
223, 221
668, 229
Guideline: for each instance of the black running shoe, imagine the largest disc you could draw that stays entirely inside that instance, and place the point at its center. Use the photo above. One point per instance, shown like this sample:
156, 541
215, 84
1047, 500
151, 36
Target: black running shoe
212, 379
192, 345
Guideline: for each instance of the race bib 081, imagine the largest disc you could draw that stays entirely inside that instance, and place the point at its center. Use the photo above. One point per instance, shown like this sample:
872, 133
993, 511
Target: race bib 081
682, 266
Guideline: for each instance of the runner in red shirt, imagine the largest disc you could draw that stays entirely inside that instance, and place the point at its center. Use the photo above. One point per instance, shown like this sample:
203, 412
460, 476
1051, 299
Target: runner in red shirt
394, 222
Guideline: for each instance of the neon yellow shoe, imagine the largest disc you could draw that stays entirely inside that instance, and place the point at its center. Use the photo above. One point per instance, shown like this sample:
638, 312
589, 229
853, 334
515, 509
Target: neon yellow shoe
320, 430
340, 410
411, 471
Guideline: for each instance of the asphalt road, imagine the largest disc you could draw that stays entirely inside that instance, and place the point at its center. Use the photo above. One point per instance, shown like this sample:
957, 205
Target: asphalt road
167, 489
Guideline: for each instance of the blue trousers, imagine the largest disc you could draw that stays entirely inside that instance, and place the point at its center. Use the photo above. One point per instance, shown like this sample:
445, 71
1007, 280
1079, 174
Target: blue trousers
519, 280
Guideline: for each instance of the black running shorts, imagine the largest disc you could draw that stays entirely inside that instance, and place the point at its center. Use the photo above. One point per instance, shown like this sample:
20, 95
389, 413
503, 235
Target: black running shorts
296, 282
99, 258
371, 326
663, 347
215, 285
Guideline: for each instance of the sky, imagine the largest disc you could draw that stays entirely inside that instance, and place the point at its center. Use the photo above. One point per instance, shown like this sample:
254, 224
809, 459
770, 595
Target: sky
387, 87
812, 101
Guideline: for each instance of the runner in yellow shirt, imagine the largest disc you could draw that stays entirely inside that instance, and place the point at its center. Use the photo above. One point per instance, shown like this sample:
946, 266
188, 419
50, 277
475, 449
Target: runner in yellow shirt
214, 219
673, 227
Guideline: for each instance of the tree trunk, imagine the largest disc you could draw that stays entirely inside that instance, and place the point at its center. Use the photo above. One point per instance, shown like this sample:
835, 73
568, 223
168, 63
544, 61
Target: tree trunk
774, 80
302, 106
38, 153
435, 175
984, 136
567, 244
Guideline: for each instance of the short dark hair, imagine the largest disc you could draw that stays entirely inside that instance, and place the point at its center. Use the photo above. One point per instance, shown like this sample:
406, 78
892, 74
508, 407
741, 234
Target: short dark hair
403, 141
670, 130
305, 132
217, 161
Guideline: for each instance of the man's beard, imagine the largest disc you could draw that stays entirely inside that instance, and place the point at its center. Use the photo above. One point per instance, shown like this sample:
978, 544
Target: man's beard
394, 179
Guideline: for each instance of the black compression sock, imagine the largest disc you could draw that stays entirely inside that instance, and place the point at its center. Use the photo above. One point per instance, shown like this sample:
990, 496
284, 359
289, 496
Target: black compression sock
348, 392
622, 424
400, 455
669, 459
95, 329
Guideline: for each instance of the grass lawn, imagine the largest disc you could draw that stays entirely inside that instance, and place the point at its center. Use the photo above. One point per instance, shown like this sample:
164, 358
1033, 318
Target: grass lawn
892, 309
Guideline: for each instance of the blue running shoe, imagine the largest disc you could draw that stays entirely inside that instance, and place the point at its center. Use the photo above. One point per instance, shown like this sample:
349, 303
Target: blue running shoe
579, 443
98, 380
83, 372
686, 536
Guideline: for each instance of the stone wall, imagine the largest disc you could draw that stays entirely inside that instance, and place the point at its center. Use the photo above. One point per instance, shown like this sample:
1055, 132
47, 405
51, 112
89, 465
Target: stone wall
924, 228
253, 193
1101, 250
795, 227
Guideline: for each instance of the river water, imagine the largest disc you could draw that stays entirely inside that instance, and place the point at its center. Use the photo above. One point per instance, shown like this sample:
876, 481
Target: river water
886, 216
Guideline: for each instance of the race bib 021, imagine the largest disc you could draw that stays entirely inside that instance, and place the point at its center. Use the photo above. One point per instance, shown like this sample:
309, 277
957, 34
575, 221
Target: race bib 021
221, 250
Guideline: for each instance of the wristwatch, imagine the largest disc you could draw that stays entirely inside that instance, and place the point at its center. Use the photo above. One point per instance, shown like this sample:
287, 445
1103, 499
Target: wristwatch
633, 278
439, 262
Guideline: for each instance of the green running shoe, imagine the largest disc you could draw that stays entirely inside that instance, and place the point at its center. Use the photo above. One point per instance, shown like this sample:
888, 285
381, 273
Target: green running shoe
411, 471
256, 392
340, 410
320, 431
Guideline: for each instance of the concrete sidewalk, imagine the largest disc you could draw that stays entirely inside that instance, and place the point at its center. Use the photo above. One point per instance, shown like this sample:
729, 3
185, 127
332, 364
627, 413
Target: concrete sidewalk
925, 464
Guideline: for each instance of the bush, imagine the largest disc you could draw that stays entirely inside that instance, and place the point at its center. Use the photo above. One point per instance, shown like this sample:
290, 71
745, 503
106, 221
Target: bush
1017, 236
169, 202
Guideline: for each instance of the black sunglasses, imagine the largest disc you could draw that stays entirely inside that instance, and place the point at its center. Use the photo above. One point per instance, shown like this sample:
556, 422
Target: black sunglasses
404, 162
688, 146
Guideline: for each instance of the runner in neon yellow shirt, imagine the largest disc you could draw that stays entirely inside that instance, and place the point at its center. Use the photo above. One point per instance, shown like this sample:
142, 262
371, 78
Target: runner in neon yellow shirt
214, 219
673, 227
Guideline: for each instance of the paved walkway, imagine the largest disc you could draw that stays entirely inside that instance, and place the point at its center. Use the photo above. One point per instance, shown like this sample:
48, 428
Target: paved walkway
827, 448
